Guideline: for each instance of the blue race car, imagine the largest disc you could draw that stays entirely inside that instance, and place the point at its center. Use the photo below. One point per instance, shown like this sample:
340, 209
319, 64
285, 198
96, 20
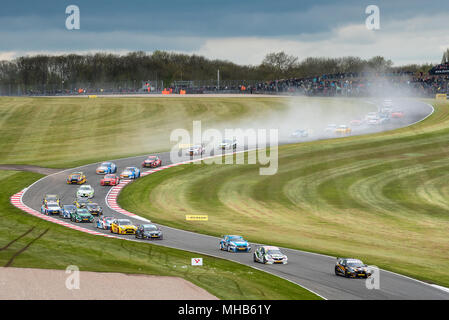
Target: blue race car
106, 168
104, 222
68, 210
130, 173
235, 244
51, 208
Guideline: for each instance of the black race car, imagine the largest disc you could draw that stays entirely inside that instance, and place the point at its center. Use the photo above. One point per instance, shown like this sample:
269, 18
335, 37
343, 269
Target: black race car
94, 208
351, 268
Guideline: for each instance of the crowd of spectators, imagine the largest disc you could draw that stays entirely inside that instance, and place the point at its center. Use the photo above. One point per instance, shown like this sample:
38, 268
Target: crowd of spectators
341, 84
362, 84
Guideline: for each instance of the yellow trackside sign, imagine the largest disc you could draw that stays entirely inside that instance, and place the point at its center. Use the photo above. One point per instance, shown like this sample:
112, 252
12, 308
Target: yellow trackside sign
441, 96
196, 217
92, 96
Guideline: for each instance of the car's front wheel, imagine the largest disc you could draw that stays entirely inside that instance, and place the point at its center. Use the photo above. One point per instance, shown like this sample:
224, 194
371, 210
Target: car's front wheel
254, 258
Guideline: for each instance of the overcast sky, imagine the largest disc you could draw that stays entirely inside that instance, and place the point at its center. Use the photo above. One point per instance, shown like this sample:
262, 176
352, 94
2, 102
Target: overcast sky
240, 31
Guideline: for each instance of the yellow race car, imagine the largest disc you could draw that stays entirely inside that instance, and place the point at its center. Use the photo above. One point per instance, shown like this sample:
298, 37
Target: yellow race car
123, 226
343, 129
76, 178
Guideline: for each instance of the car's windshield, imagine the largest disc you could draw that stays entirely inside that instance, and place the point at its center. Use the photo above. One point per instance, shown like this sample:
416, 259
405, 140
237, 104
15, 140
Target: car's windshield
150, 228
128, 169
354, 263
109, 176
82, 211
274, 251
92, 206
52, 198
123, 222
235, 238
53, 205
105, 164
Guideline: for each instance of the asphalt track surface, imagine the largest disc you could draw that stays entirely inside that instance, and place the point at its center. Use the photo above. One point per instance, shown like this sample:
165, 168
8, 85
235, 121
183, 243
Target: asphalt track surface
312, 271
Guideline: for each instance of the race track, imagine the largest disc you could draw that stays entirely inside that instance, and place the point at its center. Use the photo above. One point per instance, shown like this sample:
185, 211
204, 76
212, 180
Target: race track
312, 271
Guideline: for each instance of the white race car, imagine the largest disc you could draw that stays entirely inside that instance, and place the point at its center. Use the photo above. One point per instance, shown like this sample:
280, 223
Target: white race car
228, 144
330, 128
195, 150
269, 255
85, 191
300, 133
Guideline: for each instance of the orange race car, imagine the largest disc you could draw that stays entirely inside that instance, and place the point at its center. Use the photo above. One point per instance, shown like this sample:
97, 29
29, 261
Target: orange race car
76, 178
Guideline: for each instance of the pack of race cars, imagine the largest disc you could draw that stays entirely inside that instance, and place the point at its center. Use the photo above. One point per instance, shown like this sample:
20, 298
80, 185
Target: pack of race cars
386, 113
83, 210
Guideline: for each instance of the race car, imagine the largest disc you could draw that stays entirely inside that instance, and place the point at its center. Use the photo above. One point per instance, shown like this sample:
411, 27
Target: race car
373, 121
149, 231
228, 144
82, 215
269, 255
106, 167
351, 268
94, 208
110, 180
76, 178
104, 222
152, 162
343, 129
384, 120
85, 191
356, 122
235, 244
81, 202
51, 198
123, 226
67, 210
371, 115
51, 208
397, 114
195, 150
300, 133
130, 173
330, 128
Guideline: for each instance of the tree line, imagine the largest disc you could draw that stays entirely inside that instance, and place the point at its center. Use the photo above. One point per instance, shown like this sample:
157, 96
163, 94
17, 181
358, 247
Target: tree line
95, 69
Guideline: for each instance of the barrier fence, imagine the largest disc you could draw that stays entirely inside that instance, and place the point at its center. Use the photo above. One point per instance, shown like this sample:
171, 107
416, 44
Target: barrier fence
353, 84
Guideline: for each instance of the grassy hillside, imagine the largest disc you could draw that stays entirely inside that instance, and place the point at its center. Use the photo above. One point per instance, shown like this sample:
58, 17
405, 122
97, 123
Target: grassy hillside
66, 132
382, 197
26, 241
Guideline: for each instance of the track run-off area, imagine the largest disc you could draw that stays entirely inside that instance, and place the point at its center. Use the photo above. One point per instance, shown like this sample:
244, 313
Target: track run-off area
309, 270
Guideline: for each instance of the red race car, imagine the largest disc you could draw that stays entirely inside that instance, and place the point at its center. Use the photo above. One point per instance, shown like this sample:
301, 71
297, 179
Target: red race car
110, 180
152, 162
397, 114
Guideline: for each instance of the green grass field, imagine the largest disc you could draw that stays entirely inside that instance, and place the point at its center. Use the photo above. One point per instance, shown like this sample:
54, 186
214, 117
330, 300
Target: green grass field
383, 198
67, 132
51, 246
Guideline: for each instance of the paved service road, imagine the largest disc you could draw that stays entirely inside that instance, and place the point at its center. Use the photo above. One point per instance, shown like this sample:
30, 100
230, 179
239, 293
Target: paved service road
312, 271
